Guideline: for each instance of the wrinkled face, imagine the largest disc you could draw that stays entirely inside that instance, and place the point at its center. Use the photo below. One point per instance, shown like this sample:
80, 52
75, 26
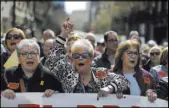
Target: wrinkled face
130, 57
81, 58
155, 55
92, 40
47, 47
13, 38
112, 42
29, 58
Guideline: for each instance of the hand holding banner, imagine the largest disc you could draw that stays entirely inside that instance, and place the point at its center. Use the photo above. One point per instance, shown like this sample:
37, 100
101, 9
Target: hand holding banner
79, 99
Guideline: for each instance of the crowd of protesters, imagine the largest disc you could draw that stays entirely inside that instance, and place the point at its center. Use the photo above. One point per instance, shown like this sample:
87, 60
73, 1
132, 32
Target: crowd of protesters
71, 63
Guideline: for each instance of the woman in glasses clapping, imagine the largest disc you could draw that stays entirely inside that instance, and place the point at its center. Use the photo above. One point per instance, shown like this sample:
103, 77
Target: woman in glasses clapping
12, 38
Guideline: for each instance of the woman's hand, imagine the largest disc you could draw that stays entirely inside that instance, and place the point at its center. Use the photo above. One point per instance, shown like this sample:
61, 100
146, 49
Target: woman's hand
104, 92
9, 94
66, 28
152, 96
49, 92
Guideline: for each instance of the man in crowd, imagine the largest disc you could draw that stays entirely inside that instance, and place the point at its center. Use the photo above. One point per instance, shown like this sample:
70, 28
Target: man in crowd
107, 58
134, 35
92, 39
46, 47
47, 34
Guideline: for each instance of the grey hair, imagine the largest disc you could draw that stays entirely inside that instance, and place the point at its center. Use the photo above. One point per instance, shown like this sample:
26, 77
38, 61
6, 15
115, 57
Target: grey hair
27, 42
91, 35
85, 43
51, 32
134, 33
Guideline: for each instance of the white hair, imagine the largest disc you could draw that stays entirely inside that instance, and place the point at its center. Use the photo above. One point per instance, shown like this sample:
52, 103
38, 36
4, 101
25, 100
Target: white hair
49, 41
27, 42
51, 32
134, 33
151, 43
84, 43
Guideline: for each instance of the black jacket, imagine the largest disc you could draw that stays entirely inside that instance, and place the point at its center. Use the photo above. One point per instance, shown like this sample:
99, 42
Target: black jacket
4, 58
41, 80
162, 88
101, 61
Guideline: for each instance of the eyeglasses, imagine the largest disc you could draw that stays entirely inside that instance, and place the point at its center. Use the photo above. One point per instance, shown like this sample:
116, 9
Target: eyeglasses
154, 53
131, 53
15, 36
83, 55
26, 54
113, 40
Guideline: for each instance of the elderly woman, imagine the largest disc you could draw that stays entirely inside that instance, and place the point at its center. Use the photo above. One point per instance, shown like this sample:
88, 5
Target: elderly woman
12, 38
154, 55
77, 76
82, 78
127, 64
30, 75
161, 70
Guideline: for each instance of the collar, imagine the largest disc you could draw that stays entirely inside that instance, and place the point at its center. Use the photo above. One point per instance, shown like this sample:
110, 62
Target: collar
36, 75
105, 56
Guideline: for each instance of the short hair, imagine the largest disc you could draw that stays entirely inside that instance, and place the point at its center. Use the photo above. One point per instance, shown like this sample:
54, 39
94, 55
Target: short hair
133, 32
72, 38
21, 33
151, 43
25, 42
155, 47
50, 32
164, 56
49, 40
124, 46
91, 35
86, 43
107, 33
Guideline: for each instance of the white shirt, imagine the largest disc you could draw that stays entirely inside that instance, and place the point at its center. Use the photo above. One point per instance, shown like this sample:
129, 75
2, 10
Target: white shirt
134, 87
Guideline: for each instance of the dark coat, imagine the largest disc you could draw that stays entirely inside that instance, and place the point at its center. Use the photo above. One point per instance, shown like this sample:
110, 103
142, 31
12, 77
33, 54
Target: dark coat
101, 61
4, 58
41, 80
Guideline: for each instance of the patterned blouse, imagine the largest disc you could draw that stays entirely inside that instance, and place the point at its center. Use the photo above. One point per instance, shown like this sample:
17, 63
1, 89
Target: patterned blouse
59, 63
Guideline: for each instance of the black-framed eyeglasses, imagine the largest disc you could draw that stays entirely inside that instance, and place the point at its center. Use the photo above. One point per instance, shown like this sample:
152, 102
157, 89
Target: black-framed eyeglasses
113, 40
26, 54
15, 36
83, 55
154, 53
131, 53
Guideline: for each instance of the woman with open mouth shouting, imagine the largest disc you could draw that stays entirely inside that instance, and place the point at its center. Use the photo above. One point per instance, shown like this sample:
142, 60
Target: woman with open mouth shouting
12, 38
77, 75
127, 64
